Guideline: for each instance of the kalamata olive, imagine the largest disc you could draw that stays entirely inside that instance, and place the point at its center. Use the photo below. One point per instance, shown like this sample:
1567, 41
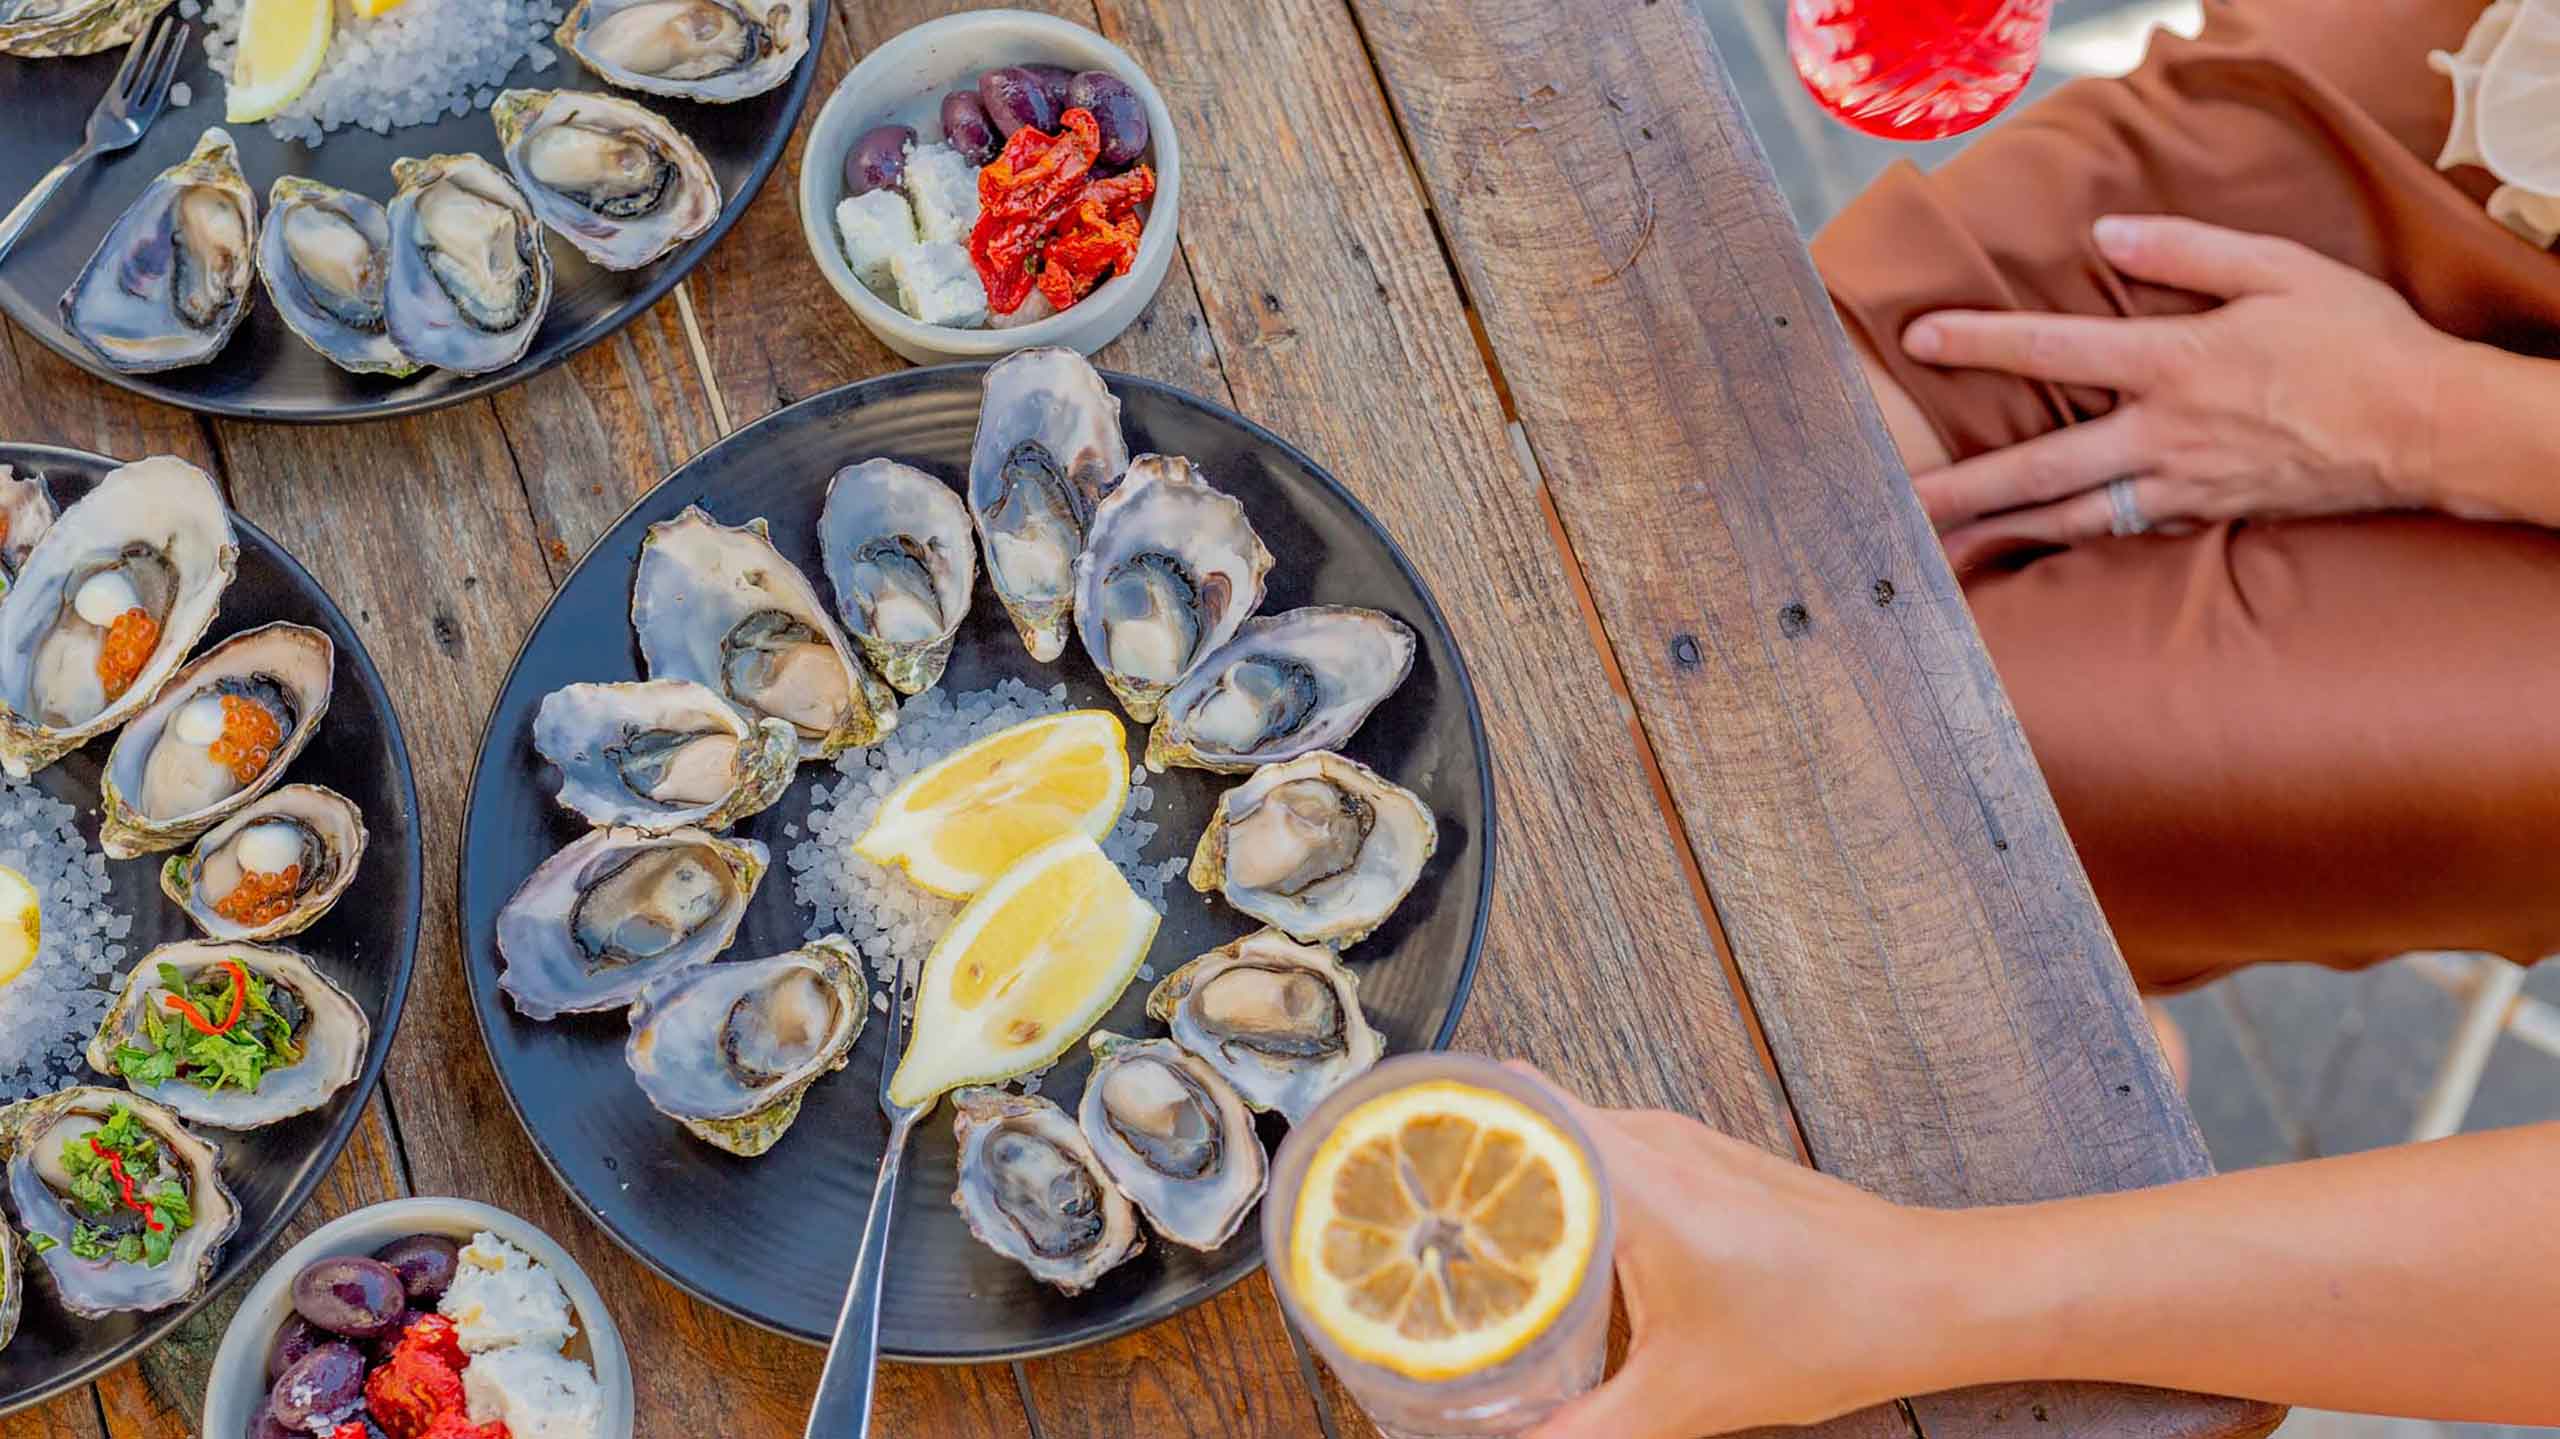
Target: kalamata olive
966, 128
878, 161
265, 1425
359, 1298
1053, 83
294, 1338
1116, 109
425, 1264
1014, 98
328, 1380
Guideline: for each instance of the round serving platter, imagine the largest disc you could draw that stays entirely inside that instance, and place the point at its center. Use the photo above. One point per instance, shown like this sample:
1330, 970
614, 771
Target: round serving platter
265, 373
772, 1239
367, 943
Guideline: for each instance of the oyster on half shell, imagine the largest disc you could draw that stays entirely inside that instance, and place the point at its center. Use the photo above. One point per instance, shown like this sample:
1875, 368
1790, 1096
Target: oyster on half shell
713, 51
1033, 1191
657, 755
13, 1283
728, 1050
610, 175
273, 868
1170, 572
616, 909
36, 1136
218, 735
470, 278
1320, 846
1047, 449
1280, 1020
326, 257
329, 1029
902, 562
26, 512
1286, 684
1175, 1137
41, 29
171, 280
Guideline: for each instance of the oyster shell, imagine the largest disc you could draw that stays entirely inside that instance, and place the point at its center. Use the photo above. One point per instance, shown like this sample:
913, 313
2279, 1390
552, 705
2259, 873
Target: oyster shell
273, 868
219, 734
470, 279
717, 605
1280, 1021
170, 282
1033, 1191
609, 175
330, 1028
13, 1285
1286, 684
1175, 1136
26, 512
656, 755
901, 559
153, 537
40, 29
728, 1050
614, 910
1170, 572
708, 50
1321, 847
325, 255
1047, 449
34, 1135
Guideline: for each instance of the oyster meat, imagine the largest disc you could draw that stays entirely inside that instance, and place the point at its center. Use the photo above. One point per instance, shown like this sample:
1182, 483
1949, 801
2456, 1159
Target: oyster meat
590, 927
1320, 846
273, 868
326, 257
170, 282
26, 512
708, 50
609, 175
1170, 572
219, 734
1047, 449
1175, 1137
106, 607
656, 755
1033, 1191
728, 1050
1286, 684
1280, 1020
329, 1033
470, 279
40, 29
102, 1258
899, 554
718, 605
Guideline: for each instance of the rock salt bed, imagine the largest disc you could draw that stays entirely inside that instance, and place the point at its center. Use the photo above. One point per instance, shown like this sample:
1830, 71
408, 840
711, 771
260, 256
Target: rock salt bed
48, 1013
423, 61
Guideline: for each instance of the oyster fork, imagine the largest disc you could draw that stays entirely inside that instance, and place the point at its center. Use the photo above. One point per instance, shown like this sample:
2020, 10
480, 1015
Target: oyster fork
842, 1408
129, 107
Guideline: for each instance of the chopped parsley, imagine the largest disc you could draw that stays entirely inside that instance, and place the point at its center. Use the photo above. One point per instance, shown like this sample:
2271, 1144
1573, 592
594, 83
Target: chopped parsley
121, 1207
238, 1057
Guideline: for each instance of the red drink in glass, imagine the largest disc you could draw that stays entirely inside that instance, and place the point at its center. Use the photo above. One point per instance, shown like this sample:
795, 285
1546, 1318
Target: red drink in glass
1915, 69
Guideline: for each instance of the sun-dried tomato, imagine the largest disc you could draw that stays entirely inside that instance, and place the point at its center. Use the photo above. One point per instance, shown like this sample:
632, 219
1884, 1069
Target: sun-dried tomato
1022, 194
1098, 236
417, 1392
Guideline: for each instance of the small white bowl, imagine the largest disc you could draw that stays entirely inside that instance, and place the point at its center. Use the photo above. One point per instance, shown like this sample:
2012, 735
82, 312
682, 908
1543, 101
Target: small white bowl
902, 83
240, 1366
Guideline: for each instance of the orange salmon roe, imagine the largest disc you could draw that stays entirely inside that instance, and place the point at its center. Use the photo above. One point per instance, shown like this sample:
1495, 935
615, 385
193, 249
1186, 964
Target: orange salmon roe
248, 741
260, 898
130, 638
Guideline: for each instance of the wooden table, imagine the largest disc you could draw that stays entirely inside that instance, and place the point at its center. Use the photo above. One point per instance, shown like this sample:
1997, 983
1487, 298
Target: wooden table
1775, 852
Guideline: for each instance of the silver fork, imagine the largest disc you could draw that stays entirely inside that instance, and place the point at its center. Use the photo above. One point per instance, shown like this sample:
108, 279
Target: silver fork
140, 90
842, 1409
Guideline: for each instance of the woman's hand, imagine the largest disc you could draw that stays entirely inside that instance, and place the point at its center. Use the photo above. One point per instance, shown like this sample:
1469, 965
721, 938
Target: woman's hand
2311, 391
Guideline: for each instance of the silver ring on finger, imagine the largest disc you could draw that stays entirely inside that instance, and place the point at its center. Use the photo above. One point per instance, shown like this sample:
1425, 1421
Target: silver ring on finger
2124, 512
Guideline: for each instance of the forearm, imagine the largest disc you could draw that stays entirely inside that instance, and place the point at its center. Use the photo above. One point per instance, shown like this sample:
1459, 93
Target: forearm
2493, 444
2422, 1280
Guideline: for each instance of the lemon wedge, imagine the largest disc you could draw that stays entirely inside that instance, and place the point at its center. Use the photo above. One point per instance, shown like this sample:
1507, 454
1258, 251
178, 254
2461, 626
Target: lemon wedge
21, 924
2517, 108
375, 9
1031, 964
1440, 1228
957, 824
282, 43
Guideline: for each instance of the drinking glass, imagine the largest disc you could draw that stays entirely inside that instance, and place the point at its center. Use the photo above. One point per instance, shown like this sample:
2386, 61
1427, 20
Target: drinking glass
1915, 69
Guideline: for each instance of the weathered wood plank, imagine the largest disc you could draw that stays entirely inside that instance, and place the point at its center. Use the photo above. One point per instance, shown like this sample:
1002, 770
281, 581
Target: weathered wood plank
44, 399
1222, 1371
72, 1416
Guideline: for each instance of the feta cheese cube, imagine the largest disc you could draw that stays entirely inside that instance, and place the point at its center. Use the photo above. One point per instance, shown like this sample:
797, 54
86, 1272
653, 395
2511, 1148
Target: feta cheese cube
501, 1297
945, 190
875, 225
535, 1393
938, 285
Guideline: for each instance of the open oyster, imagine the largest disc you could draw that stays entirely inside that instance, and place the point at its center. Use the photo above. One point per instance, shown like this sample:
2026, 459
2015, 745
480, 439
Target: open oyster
326, 257
1320, 846
101, 1252
170, 282
898, 552
610, 175
469, 280
728, 1050
313, 1020
718, 605
1033, 1191
1047, 449
656, 755
1281, 1021
218, 735
13, 1285
1175, 1136
708, 50
1169, 573
26, 512
616, 909
39, 29
273, 868
106, 606
1286, 684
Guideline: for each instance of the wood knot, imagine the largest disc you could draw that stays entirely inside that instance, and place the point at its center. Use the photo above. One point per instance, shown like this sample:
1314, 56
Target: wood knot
1684, 651
448, 634
1794, 619
1883, 592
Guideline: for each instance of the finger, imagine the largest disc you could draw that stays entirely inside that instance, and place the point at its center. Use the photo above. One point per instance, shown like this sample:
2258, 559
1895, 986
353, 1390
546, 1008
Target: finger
2207, 259
2084, 516
1642, 1400
2048, 467
2115, 354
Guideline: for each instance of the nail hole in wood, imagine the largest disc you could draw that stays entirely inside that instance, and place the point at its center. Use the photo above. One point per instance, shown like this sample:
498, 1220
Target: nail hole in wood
1781, 321
1684, 651
448, 634
1794, 620
1883, 592
1271, 302
2124, 1089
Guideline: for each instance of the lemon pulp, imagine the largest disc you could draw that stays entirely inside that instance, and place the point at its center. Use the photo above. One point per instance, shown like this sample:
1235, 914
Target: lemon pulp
971, 815
282, 44
21, 924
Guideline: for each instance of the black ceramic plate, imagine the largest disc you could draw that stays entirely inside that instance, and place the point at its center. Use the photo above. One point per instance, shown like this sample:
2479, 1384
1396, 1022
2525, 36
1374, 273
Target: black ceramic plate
772, 1239
266, 373
367, 943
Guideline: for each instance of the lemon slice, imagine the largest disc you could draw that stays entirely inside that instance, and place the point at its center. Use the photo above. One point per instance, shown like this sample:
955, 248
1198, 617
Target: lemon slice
959, 823
2518, 107
282, 43
21, 924
1032, 963
1441, 1227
